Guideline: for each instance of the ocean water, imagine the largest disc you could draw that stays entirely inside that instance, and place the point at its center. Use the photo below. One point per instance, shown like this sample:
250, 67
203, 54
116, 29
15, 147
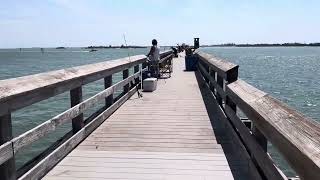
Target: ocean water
288, 73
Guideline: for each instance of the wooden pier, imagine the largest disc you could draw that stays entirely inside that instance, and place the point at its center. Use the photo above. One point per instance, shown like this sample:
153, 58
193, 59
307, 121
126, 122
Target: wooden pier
188, 128
167, 134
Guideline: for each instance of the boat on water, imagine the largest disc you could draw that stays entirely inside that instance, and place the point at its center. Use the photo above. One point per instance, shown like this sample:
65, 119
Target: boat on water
93, 50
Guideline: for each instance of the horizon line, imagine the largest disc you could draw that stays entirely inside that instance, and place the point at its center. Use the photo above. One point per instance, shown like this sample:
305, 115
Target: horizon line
206, 44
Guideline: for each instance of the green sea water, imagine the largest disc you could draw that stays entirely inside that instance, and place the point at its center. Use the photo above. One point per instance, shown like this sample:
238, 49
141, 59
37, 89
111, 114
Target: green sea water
288, 73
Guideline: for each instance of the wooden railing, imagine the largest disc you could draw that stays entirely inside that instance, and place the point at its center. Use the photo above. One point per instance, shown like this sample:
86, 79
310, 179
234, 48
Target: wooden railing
20, 92
295, 136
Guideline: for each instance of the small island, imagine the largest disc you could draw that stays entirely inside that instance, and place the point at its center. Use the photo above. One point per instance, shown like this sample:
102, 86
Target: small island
60, 48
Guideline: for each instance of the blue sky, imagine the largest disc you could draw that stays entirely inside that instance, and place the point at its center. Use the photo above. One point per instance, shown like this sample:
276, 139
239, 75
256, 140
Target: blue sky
50, 23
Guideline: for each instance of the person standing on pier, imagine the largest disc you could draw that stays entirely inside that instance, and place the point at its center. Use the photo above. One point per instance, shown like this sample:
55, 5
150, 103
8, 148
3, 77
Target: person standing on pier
154, 56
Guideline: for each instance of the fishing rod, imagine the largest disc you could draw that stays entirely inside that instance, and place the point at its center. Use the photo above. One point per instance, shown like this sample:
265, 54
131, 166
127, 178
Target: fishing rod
139, 93
125, 42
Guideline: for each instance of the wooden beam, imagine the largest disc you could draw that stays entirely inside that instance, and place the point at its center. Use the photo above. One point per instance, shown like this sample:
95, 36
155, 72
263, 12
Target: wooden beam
17, 93
165, 58
165, 53
7, 169
261, 139
135, 70
295, 136
107, 84
125, 74
232, 74
6, 152
20, 92
212, 74
231, 104
222, 67
212, 81
220, 84
76, 98
258, 154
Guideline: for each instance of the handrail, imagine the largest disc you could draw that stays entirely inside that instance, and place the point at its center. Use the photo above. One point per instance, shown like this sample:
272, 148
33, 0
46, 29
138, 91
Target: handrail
225, 69
165, 58
20, 92
23, 91
165, 54
294, 135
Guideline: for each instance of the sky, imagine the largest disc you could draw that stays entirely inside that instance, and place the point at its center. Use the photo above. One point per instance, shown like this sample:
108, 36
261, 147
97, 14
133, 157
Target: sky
52, 23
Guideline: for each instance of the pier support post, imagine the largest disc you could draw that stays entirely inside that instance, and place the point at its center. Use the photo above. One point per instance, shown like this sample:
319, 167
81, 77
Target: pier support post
76, 98
136, 69
144, 65
207, 68
7, 169
125, 74
232, 76
220, 83
231, 104
261, 139
107, 84
212, 73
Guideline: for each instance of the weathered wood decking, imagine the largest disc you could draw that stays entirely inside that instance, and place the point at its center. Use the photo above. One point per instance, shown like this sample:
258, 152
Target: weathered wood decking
167, 134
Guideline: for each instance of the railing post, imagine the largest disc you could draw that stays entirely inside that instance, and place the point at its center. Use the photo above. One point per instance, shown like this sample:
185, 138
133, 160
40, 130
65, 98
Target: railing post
7, 169
135, 70
125, 74
144, 65
231, 104
207, 68
212, 73
220, 83
107, 84
261, 139
76, 98
232, 76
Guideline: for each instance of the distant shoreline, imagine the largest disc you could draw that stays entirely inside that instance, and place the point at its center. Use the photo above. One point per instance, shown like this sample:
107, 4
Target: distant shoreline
114, 47
166, 46
265, 45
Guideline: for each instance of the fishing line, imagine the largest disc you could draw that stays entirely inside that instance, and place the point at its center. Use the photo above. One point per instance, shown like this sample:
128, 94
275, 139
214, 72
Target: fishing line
125, 42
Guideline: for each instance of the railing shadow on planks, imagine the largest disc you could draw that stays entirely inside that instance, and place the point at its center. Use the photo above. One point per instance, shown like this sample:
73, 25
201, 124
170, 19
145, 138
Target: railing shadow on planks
21, 92
295, 136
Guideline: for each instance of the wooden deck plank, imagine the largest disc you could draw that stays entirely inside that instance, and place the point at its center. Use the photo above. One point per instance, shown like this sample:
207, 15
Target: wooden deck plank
167, 134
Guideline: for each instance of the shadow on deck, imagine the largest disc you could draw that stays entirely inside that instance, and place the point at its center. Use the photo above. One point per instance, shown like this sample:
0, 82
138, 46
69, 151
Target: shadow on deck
234, 151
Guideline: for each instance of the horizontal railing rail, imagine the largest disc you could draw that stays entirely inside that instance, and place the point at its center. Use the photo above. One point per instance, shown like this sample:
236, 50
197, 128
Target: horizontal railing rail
165, 58
20, 92
295, 136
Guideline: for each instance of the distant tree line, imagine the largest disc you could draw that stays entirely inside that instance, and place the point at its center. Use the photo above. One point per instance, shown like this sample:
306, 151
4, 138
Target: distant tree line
263, 45
110, 46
